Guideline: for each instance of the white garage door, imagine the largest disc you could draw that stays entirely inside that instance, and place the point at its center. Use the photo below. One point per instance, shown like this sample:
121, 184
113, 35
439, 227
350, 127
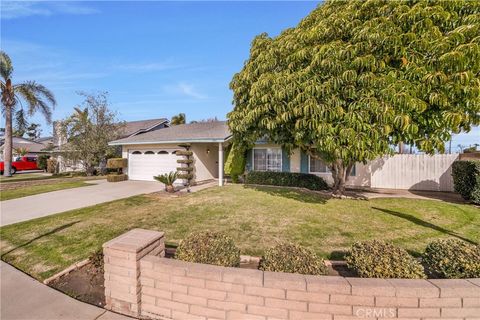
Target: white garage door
143, 164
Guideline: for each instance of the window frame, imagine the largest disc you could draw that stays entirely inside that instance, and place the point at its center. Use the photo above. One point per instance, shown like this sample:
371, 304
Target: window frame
353, 173
266, 158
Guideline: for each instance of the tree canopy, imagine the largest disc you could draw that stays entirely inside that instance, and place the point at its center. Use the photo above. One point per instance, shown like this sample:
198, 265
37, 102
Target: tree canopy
356, 77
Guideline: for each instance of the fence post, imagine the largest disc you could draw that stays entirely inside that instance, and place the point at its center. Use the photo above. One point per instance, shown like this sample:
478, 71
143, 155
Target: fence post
122, 268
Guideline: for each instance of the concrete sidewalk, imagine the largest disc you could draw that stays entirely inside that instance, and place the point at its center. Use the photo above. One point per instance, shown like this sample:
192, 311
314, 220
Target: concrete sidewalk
23, 297
40, 205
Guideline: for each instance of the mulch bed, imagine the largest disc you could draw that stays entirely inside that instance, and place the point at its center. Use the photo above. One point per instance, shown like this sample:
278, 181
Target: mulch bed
84, 284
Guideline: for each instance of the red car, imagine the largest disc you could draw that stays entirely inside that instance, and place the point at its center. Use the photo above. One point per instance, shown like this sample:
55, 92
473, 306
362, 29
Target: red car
22, 163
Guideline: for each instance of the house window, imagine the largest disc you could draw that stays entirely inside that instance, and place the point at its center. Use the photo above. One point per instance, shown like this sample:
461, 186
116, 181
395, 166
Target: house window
267, 159
136, 152
149, 152
316, 165
163, 152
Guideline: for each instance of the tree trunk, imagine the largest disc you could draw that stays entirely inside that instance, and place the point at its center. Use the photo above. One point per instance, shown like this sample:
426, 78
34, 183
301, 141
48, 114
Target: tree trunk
340, 174
7, 149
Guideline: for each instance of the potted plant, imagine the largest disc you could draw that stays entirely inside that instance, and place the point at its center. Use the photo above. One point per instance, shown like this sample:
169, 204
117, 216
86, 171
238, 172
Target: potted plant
168, 179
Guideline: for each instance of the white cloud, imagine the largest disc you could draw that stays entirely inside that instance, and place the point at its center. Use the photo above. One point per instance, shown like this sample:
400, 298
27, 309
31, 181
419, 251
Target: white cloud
146, 67
189, 91
21, 9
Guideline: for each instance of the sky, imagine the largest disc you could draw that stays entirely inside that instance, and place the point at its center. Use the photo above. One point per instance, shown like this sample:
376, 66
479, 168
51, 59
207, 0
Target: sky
155, 59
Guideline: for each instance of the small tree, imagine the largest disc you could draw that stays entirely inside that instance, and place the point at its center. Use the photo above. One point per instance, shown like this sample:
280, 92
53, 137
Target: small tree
178, 119
89, 130
355, 78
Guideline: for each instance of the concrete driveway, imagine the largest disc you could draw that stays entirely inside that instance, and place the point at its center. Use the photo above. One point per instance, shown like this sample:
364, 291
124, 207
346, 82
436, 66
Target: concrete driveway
40, 205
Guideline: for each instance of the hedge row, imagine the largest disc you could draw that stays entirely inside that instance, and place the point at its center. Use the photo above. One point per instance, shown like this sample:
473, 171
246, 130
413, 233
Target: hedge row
446, 258
286, 179
466, 179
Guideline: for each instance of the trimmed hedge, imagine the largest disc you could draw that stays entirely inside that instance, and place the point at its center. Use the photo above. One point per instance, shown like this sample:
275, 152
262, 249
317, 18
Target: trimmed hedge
452, 259
210, 248
185, 161
466, 179
51, 165
189, 169
184, 153
116, 177
236, 161
117, 163
286, 179
378, 259
292, 258
42, 161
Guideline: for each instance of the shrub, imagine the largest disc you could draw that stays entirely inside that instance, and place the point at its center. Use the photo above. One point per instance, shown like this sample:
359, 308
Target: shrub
116, 177
167, 179
184, 153
210, 248
377, 259
288, 179
452, 258
117, 163
70, 174
42, 162
292, 258
51, 165
466, 179
236, 160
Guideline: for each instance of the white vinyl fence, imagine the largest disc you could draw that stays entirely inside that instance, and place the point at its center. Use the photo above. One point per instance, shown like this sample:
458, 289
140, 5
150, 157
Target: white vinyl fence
413, 172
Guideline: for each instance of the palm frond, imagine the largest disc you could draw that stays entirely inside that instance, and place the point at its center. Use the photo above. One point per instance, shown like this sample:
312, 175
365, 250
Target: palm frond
38, 97
6, 68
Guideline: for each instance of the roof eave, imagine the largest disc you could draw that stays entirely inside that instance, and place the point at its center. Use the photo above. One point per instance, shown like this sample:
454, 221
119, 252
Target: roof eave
200, 140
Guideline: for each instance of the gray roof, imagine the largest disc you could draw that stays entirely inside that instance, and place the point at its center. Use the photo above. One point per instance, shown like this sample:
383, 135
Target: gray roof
194, 132
30, 145
133, 127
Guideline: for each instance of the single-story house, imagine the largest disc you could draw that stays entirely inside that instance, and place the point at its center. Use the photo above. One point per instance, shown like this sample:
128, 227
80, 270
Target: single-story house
33, 148
154, 153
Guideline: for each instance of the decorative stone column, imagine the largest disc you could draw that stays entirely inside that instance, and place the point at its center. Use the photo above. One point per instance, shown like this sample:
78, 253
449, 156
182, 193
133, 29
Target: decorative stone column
122, 268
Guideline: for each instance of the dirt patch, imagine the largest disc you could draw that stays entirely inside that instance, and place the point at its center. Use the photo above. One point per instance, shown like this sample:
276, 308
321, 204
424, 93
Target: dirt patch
85, 284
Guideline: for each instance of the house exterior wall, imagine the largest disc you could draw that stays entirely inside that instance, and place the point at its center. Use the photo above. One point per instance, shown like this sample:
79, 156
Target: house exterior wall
405, 171
205, 164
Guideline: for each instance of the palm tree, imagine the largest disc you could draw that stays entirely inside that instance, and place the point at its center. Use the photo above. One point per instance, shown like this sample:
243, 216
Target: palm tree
178, 119
37, 97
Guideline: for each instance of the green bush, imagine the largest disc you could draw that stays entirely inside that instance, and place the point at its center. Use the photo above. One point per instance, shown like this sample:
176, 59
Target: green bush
184, 153
287, 179
70, 174
42, 161
117, 163
452, 258
292, 258
116, 177
466, 179
377, 259
51, 165
236, 160
210, 248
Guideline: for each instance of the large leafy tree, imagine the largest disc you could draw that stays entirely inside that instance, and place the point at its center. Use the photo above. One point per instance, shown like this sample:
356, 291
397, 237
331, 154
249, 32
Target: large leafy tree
355, 78
36, 96
88, 131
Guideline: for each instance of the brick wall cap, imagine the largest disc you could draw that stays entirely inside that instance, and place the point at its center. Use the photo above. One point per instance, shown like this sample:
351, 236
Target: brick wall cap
414, 288
456, 287
134, 240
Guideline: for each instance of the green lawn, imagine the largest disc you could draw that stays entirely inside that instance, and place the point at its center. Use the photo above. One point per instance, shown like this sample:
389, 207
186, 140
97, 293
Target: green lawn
256, 217
25, 177
24, 191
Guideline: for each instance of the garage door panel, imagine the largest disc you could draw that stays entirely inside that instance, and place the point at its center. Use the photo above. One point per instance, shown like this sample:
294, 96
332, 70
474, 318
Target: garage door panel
145, 166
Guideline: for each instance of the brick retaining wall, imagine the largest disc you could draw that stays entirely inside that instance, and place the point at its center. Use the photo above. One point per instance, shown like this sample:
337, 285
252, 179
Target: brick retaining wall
140, 282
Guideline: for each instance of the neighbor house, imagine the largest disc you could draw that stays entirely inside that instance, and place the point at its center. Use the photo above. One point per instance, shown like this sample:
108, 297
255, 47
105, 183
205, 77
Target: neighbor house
33, 148
154, 153
129, 129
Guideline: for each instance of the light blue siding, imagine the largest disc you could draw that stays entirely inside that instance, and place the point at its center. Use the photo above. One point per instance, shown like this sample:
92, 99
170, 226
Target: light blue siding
303, 162
285, 161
